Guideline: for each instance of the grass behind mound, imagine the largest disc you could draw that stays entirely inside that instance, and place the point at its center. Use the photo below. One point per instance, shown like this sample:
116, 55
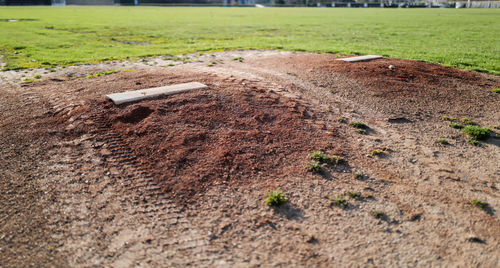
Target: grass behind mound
42, 37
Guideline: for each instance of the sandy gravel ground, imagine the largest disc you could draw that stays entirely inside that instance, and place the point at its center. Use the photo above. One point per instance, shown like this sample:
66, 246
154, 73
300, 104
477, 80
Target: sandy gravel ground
181, 181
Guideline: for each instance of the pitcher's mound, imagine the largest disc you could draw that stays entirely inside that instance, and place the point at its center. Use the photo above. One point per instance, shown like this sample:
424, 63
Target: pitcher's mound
225, 134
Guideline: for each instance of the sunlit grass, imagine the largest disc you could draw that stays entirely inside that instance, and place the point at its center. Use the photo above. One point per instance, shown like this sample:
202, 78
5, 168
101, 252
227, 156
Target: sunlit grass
466, 38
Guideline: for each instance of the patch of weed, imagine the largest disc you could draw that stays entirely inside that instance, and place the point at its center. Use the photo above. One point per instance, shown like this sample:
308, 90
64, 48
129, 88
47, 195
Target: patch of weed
467, 121
479, 204
240, 59
445, 117
477, 132
359, 125
474, 142
377, 152
28, 80
275, 198
342, 120
107, 73
318, 156
359, 175
378, 214
314, 166
355, 195
456, 126
112, 71
37, 76
334, 159
443, 141
321, 157
361, 131
183, 59
339, 201
496, 90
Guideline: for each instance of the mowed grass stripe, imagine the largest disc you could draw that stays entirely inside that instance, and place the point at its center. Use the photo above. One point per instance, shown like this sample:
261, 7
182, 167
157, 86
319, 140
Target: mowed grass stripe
463, 38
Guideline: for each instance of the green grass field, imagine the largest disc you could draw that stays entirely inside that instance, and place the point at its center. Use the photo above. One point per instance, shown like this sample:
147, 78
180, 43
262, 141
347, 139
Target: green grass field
463, 38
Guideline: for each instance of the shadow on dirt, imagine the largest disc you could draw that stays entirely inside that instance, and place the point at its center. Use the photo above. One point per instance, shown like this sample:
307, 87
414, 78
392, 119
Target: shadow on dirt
494, 139
290, 212
328, 173
489, 210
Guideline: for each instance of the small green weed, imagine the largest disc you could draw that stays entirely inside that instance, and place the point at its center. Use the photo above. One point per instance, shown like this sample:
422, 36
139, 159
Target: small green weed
361, 131
183, 59
443, 141
479, 204
445, 117
319, 156
377, 152
378, 214
467, 121
477, 132
456, 126
28, 80
357, 124
342, 120
240, 59
496, 90
111, 72
323, 158
339, 201
314, 166
359, 175
275, 198
37, 76
355, 195
334, 159
106, 73
474, 142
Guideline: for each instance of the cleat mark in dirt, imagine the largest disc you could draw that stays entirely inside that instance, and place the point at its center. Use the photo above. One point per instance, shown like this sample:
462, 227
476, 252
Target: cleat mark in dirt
179, 239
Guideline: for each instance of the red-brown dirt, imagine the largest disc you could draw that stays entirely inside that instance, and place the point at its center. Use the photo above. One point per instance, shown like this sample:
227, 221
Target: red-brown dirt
228, 134
180, 181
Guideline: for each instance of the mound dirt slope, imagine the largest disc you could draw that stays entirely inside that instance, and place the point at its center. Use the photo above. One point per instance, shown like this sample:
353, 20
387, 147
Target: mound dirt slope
226, 134
181, 180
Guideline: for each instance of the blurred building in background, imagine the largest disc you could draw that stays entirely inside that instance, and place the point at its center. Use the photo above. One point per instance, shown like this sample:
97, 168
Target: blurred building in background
264, 3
